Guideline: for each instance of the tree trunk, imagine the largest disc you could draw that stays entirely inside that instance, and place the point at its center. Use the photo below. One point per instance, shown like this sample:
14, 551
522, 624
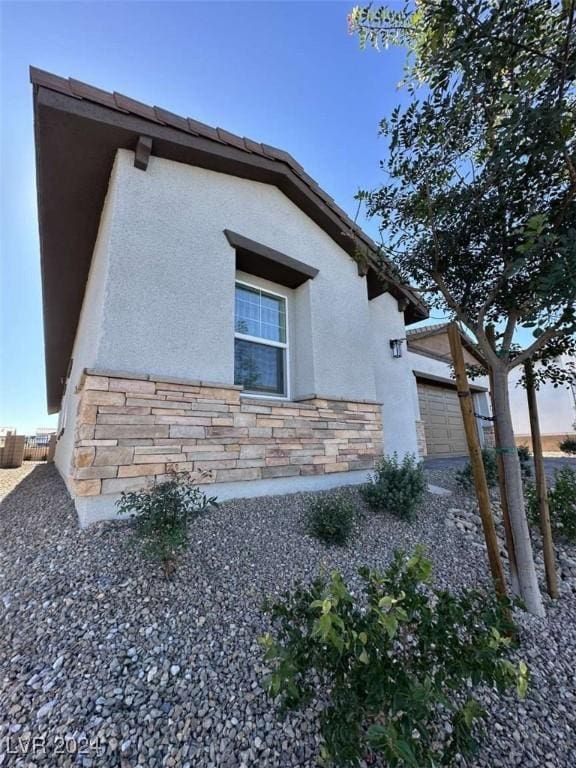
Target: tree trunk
511, 549
529, 589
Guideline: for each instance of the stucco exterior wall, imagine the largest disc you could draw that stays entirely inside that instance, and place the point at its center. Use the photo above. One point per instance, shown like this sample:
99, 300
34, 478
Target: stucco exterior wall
160, 299
171, 267
395, 383
556, 407
88, 335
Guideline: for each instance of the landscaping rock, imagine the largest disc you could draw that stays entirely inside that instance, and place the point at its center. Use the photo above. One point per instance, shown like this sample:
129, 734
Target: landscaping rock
95, 641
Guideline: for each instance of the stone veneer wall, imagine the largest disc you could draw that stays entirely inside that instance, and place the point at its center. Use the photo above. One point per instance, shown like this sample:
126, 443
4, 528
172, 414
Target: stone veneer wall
421, 438
489, 436
131, 429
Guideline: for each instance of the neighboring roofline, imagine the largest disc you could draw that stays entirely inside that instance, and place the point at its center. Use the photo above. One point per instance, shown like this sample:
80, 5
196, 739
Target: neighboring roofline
426, 330
79, 128
428, 353
433, 330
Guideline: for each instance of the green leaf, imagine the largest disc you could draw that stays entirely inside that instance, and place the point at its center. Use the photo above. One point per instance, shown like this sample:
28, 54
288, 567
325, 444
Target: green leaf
390, 624
522, 682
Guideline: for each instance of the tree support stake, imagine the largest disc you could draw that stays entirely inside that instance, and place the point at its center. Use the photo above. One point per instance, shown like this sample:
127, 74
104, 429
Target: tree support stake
482, 493
541, 487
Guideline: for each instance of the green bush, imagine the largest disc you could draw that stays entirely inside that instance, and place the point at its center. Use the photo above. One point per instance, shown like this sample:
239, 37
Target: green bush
161, 514
465, 478
561, 502
390, 664
569, 446
396, 486
525, 461
331, 518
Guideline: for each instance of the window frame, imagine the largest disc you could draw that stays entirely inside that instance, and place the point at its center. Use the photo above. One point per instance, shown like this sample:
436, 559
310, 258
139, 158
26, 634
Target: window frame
285, 345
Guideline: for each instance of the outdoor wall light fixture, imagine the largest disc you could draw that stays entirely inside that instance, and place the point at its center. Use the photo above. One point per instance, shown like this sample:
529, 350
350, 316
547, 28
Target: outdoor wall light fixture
396, 347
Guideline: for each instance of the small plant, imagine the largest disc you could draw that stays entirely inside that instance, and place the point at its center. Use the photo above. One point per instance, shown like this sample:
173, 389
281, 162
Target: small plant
561, 503
465, 478
161, 514
391, 665
569, 446
396, 486
525, 461
331, 518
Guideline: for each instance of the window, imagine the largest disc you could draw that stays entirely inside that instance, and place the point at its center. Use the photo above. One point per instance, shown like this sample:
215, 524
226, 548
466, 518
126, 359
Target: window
260, 341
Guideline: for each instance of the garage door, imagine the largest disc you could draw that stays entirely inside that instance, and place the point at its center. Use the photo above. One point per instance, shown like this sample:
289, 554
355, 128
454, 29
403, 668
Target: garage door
440, 412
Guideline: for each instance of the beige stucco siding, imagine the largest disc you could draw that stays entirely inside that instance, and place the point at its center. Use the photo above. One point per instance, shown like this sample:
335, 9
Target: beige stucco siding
160, 299
170, 292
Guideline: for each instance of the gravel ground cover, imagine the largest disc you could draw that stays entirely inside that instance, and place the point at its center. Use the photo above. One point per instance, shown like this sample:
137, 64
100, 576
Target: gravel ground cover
9, 478
108, 664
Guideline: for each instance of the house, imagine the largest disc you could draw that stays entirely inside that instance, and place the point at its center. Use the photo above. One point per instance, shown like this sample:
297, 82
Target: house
439, 418
556, 410
440, 423
207, 307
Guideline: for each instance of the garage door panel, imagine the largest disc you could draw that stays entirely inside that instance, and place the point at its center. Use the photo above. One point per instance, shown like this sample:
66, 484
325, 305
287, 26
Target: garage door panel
435, 419
444, 428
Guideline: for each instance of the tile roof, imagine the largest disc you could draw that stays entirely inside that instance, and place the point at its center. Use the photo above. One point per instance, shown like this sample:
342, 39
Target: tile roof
78, 130
426, 330
117, 101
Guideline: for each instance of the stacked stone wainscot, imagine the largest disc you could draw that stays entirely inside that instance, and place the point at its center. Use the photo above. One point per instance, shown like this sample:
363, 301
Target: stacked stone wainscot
131, 430
421, 438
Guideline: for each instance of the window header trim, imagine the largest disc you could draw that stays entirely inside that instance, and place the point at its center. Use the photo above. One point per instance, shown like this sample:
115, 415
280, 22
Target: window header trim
261, 260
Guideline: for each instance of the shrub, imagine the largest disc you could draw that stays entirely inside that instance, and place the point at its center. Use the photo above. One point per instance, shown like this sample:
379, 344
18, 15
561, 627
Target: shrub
161, 514
525, 461
569, 446
390, 667
561, 502
331, 518
396, 487
465, 478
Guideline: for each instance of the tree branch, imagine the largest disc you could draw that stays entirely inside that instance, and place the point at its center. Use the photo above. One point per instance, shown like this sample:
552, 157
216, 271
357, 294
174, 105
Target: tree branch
492, 294
537, 345
509, 331
507, 40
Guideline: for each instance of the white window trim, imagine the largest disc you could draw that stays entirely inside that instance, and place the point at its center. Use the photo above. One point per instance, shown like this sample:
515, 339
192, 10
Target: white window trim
269, 342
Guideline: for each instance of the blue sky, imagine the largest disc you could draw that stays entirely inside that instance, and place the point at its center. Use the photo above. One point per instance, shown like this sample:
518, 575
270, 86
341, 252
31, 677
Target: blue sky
285, 73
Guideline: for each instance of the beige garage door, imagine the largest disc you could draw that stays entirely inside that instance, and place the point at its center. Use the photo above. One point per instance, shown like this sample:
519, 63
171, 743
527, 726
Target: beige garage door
440, 412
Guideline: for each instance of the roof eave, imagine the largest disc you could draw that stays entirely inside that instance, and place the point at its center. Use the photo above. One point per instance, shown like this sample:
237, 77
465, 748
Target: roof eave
76, 141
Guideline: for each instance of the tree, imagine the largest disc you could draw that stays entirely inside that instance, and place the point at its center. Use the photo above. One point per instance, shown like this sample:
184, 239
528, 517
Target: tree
479, 205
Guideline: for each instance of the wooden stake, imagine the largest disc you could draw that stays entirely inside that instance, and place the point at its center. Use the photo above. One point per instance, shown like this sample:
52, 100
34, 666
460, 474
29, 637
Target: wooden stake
541, 489
482, 493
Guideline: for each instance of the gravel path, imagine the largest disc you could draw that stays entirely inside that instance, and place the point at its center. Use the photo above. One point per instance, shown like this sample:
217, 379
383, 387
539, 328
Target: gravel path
95, 645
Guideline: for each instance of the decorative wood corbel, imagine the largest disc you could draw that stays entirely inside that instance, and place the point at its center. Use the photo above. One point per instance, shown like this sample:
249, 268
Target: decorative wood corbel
142, 153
